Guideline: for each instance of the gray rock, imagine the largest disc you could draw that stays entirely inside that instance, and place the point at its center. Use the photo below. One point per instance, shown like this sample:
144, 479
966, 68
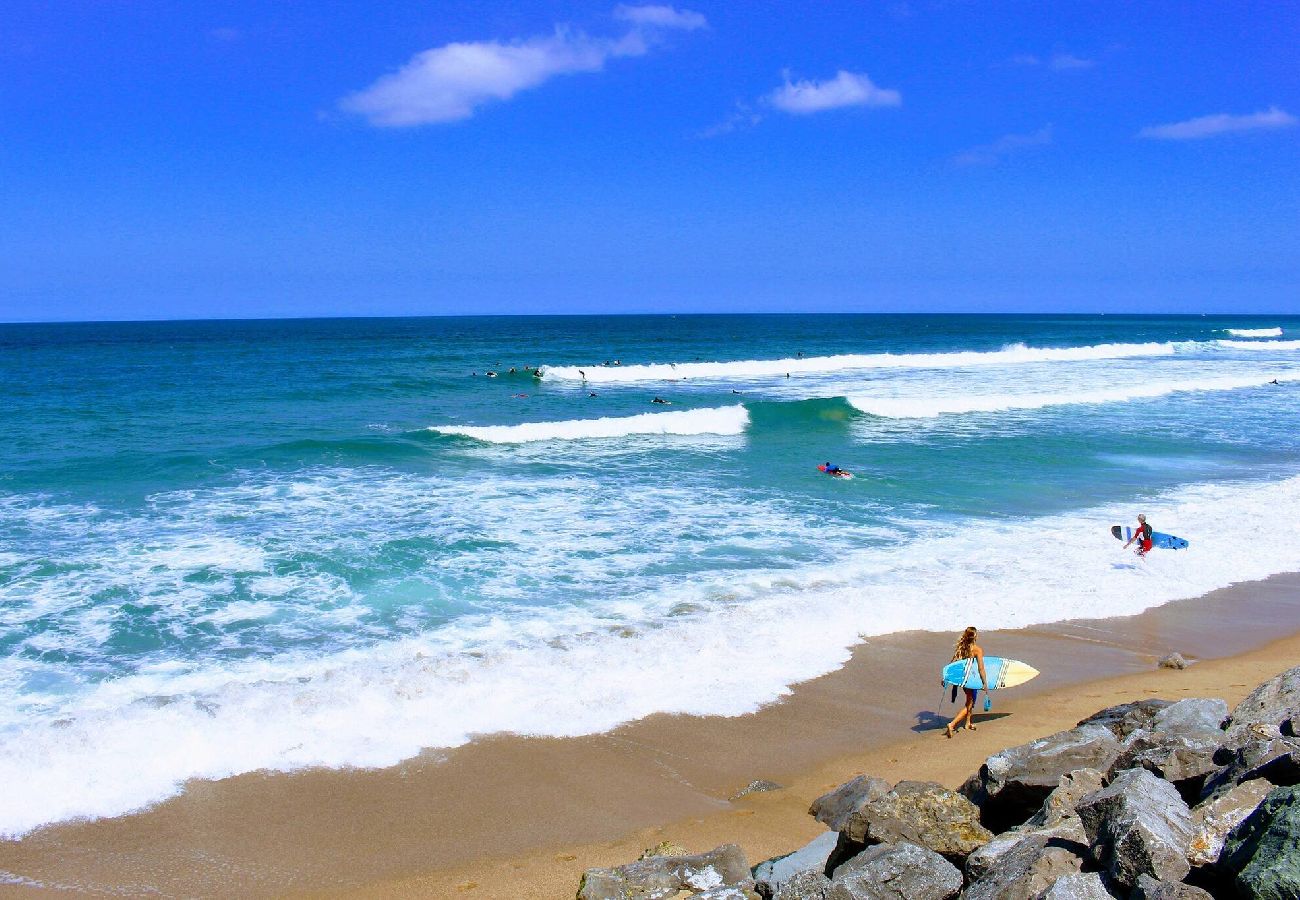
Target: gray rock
757, 787
1030, 867
1173, 661
895, 872
1127, 718
1178, 758
1192, 716
1057, 821
769, 876
1085, 886
660, 877
920, 812
1148, 888
1062, 803
1214, 819
1013, 784
725, 892
833, 809
1245, 757
1263, 852
1273, 706
1138, 825
804, 886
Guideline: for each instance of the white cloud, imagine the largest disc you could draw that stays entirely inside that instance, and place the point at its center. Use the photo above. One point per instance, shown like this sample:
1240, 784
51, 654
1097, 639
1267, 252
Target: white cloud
990, 154
1063, 61
1222, 123
1024, 59
661, 17
448, 83
845, 89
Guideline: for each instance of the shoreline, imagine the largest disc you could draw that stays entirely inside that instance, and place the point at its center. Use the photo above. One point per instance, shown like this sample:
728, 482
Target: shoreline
523, 817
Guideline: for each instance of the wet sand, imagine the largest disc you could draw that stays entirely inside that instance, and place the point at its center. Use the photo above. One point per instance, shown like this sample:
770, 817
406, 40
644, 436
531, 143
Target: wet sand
511, 817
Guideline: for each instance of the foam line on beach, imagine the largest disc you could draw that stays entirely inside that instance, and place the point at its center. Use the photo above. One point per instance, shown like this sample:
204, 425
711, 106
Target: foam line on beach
822, 365
931, 406
563, 671
725, 420
1254, 332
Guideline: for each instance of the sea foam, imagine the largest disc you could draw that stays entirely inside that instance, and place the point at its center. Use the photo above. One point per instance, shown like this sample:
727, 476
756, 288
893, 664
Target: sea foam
1254, 332
932, 405
1260, 345
726, 420
822, 365
688, 648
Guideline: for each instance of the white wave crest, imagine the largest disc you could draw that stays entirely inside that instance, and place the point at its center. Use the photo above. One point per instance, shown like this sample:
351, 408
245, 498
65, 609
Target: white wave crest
1260, 345
821, 365
724, 420
1254, 332
930, 406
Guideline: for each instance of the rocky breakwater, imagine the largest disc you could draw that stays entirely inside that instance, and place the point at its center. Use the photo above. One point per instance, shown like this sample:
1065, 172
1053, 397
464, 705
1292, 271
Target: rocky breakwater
1152, 800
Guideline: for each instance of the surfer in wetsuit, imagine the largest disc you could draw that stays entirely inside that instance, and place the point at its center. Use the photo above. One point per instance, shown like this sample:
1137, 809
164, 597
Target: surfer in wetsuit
1141, 534
966, 648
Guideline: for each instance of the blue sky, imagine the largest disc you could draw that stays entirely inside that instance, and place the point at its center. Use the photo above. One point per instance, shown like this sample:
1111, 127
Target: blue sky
185, 159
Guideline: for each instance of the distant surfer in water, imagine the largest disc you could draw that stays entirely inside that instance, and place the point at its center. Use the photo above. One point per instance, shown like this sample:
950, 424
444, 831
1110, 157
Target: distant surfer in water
1141, 534
834, 471
966, 648
661, 400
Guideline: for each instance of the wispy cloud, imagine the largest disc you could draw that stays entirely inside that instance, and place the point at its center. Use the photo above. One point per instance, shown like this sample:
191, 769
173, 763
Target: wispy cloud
1222, 123
845, 89
991, 154
448, 83
743, 116
661, 17
1058, 62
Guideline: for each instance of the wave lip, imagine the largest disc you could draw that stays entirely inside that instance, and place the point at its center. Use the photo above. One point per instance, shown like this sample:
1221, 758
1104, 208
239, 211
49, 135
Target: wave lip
1260, 345
825, 365
931, 407
725, 420
1254, 332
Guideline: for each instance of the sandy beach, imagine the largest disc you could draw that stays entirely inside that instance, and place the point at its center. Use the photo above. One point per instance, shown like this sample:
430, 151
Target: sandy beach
510, 817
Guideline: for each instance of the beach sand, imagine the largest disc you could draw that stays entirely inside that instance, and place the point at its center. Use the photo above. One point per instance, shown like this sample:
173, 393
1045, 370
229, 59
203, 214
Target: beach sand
512, 817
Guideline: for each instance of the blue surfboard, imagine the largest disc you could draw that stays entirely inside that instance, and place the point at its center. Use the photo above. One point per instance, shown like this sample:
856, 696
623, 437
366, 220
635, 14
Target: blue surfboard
1158, 539
1002, 673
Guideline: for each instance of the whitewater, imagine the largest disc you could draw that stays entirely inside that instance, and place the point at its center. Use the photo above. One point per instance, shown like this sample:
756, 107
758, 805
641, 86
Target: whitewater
233, 547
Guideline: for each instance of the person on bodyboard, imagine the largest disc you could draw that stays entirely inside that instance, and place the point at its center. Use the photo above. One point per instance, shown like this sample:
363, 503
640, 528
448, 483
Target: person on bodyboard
835, 471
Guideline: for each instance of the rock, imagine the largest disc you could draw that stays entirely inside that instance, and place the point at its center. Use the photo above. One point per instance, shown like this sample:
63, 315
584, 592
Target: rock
804, 886
725, 892
1193, 716
1263, 852
1148, 888
1127, 718
1138, 825
1030, 867
664, 848
920, 812
665, 876
1214, 819
1086, 886
1061, 804
1274, 706
1173, 661
895, 872
1247, 756
1057, 820
769, 876
833, 809
1013, 784
758, 787
1182, 760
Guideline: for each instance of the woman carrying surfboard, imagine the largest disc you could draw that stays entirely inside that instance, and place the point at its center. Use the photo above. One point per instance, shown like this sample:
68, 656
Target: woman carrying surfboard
966, 648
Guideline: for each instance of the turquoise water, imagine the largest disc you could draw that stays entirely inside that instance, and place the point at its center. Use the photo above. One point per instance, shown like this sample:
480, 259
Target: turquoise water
228, 546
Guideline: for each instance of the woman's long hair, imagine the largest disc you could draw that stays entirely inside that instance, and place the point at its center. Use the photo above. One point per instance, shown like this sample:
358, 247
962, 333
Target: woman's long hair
964, 643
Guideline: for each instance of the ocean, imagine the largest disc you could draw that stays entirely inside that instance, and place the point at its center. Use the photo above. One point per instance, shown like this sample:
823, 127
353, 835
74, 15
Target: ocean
270, 545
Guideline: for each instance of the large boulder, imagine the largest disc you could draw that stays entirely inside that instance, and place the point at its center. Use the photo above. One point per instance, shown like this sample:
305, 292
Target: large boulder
1191, 716
1148, 888
1057, 820
1138, 825
1013, 784
1127, 718
1062, 803
920, 812
901, 871
1263, 852
804, 886
770, 876
1214, 819
1084, 886
1272, 708
833, 809
658, 877
1246, 756
1184, 760
1026, 870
